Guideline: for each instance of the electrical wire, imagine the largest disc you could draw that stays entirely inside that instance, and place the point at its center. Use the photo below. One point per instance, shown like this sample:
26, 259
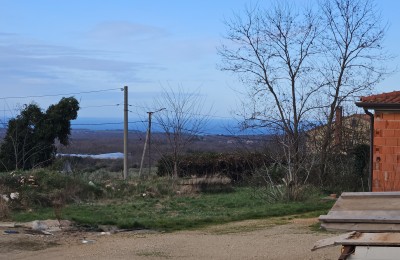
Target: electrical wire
64, 94
187, 113
107, 123
116, 105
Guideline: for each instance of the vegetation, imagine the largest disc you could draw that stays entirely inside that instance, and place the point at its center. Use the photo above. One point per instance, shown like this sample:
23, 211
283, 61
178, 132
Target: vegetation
182, 120
103, 198
30, 138
274, 51
237, 166
299, 66
177, 212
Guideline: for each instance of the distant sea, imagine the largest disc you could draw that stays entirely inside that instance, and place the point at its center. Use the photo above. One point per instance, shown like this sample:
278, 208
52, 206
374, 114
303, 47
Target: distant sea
213, 127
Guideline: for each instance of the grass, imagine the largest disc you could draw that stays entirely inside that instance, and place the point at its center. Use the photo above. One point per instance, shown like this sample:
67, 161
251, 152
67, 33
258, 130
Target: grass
179, 212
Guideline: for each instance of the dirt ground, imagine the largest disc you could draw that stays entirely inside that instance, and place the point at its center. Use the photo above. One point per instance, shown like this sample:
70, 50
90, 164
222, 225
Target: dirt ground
253, 239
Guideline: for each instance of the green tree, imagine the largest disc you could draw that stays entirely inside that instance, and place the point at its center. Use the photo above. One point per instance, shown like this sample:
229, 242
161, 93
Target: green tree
30, 138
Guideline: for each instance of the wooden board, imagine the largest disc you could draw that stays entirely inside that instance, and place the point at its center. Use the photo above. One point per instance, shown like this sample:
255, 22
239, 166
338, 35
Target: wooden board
363, 195
327, 242
375, 253
359, 216
360, 239
370, 239
373, 203
364, 211
361, 227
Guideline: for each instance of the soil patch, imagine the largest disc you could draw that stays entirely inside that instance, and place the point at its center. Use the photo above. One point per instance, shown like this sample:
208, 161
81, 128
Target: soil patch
253, 239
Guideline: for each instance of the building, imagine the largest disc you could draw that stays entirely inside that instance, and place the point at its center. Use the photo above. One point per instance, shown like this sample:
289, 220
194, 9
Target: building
348, 132
385, 139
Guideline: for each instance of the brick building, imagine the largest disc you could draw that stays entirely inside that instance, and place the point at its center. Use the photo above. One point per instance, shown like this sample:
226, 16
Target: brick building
348, 132
385, 139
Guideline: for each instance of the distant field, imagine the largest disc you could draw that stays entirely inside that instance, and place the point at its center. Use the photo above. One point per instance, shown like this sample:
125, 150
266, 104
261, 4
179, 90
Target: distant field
100, 142
85, 141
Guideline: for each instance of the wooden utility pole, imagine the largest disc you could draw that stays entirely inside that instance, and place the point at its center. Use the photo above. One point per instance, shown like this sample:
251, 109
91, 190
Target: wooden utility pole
150, 114
148, 140
125, 132
144, 148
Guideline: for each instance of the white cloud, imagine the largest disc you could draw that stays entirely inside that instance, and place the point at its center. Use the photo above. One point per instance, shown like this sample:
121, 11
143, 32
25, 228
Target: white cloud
122, 31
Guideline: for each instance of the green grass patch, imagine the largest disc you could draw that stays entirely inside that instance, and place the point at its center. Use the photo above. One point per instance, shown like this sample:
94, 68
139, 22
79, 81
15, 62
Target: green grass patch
178, 213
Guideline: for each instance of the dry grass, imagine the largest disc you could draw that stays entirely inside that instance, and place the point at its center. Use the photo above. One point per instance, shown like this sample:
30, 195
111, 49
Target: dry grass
4, 209
204, 184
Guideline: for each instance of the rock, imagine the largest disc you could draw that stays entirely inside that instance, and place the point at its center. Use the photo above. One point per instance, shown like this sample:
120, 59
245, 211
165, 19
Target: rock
108, 228
87, 241
4, 197
14, 195
39, 225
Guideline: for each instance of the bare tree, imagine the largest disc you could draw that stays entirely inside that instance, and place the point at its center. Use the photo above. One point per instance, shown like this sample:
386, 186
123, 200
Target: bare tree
182, 120
353, 58
272, 51
299, 64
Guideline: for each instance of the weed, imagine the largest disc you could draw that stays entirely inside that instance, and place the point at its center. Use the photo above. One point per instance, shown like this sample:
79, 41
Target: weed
43, 188
178, 212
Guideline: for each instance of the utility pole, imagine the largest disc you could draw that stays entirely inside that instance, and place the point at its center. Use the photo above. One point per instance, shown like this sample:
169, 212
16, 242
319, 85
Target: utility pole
144, 148
148, 140
125, 132
150, 114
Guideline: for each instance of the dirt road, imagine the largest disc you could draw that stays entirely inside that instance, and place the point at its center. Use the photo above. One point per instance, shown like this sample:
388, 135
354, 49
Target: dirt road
255, 239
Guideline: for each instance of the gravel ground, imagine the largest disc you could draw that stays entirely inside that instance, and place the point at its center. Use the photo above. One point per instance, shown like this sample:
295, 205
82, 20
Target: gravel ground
254, 239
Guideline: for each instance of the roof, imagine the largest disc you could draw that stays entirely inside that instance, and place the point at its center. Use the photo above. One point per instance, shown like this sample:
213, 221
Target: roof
363, 117
389, 100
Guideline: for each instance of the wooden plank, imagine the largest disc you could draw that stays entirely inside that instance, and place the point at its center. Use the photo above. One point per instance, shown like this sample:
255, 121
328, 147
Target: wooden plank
365, 213
366, 195
373, 203
362, 216
375, 253
327, 242
361, 227
366, 219
370, 239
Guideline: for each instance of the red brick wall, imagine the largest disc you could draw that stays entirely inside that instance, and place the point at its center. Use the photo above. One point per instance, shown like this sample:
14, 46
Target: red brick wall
386, 152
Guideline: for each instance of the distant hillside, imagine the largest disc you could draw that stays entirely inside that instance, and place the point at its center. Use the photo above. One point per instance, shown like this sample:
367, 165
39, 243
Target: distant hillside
85, 141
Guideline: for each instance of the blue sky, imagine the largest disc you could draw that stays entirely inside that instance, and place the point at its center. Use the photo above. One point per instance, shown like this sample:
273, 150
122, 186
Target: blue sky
50, 47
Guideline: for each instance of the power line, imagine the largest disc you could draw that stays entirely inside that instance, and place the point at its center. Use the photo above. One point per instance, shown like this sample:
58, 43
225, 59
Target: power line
98, 106
107, 123
188, 113
63, 94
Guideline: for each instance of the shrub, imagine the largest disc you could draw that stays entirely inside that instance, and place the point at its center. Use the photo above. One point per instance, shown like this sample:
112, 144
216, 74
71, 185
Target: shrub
45, 188
346, 172
85, 165
235, 166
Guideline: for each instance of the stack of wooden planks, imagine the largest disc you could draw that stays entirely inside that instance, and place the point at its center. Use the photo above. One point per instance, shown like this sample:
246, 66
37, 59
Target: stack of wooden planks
364, 212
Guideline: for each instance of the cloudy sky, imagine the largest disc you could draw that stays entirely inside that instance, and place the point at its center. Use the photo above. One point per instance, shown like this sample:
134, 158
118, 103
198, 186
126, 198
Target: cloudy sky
52, 47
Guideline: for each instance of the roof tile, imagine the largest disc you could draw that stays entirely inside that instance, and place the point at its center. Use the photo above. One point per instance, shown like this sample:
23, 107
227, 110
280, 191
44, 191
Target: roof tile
384, 98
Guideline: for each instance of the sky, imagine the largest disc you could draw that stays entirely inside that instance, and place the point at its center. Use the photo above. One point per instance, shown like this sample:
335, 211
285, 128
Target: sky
79, 47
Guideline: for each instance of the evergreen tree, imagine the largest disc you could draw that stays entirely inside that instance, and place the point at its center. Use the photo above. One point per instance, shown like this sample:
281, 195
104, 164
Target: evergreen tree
30, 138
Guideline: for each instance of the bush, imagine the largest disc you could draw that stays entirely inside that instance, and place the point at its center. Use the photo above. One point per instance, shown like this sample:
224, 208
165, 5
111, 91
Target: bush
45, 188
345, 172
235, 166
268, 183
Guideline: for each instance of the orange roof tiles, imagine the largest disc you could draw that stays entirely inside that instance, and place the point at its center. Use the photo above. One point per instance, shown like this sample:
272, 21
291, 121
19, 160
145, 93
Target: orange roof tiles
384, 100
